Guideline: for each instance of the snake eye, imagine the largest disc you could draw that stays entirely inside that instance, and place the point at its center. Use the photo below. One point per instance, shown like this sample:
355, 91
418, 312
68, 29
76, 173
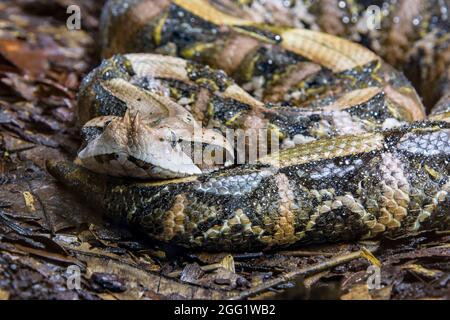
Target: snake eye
107, 73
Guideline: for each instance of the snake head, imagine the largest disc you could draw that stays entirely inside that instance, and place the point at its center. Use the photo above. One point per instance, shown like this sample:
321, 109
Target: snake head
127, 147
133, 147
156, 137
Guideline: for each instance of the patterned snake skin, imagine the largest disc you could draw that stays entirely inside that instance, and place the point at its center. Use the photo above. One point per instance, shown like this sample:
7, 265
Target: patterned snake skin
357, 158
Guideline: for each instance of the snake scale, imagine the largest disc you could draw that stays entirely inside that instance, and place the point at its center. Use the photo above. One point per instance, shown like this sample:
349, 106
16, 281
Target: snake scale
351, 155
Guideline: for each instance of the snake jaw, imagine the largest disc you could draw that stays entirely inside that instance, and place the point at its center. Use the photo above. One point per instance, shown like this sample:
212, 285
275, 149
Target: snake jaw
129, 147
133, 146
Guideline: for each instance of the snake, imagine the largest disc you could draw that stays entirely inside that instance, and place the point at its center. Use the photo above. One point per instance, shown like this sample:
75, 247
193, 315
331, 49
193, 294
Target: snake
231, 125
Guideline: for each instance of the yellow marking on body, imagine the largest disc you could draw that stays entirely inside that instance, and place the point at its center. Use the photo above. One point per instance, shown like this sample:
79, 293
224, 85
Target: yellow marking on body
408, 105
325, 149
440, 117
374, 73
323, 208
158, 66
284, 228
230, 121
158, 28
353, 98
130, 22
237, 93
355, 205
330, 51
173, 221
166, 182
254, 35
192, 51
246, 69
433, 173
224, 229
275, 131
208, 82
394, 192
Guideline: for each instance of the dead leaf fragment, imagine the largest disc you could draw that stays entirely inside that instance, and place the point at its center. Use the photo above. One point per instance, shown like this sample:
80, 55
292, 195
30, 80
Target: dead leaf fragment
29, 201
422, 271
4, 295
19, 53
382, 293
370, 257
358, 292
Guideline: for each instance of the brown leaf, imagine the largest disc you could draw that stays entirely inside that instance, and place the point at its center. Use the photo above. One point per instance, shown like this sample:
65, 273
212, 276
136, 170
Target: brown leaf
357, 292
21, 86
191, 273
55, 257
382, 294
30, 60
4, 295
135, 276
362, 292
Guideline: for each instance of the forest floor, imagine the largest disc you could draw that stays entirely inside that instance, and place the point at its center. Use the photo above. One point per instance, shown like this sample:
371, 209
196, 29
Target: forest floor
50, 242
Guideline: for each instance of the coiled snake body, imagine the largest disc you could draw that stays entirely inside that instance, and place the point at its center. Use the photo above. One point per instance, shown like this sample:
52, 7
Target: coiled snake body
351, 164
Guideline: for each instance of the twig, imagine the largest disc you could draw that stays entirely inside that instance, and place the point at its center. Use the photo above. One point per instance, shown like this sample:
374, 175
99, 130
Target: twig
227, 262
305, 253
319, 267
